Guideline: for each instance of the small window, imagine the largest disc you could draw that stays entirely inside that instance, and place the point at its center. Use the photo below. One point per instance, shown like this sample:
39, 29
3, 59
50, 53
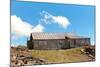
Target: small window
83, 41
60, 42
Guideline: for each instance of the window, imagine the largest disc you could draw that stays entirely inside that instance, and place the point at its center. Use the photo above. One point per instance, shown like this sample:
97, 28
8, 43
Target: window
82, 41
60, 42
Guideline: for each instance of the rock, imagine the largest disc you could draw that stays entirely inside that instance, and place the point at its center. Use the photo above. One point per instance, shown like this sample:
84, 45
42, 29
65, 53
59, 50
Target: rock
42, 60
25, 61
82, 51
22, 57
31, 62
14, 57
20, 63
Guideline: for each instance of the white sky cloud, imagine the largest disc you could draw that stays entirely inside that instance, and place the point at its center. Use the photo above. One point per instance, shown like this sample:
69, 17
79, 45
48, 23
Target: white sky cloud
38, 28
62, 21
48, 18
83, 2
21, 28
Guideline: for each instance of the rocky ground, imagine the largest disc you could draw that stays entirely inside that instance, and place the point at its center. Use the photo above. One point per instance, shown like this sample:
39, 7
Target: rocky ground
21, 56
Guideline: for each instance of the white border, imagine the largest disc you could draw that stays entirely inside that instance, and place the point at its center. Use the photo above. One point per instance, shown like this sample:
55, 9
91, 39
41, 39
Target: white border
5, 36
80, 2
4, 33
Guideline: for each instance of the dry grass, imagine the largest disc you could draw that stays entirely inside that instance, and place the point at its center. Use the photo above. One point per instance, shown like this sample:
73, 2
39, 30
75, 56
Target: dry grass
61, 56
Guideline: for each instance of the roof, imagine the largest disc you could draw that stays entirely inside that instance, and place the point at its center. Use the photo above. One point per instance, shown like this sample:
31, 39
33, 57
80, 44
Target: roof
47, 35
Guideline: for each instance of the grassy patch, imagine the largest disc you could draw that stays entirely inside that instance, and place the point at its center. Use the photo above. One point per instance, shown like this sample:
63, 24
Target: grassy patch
61, 56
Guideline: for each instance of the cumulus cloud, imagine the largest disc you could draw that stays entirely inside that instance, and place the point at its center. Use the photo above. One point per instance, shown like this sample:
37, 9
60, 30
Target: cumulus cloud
48, 18
62, 21
38, 28
22, 28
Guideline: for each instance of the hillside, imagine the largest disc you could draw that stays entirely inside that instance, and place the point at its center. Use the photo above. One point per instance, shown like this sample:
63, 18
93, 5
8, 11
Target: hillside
62, 56
21, 56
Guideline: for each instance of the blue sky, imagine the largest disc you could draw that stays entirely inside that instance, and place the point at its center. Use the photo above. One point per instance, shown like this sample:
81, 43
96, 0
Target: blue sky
79, 19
